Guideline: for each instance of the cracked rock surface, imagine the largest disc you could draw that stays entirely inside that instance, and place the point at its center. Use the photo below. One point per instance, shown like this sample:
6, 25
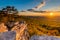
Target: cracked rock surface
36, 37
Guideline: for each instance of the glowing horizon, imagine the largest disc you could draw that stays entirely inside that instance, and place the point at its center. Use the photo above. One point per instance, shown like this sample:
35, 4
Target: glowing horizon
39, 14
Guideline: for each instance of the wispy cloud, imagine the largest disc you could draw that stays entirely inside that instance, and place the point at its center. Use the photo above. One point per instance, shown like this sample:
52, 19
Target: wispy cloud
40, 5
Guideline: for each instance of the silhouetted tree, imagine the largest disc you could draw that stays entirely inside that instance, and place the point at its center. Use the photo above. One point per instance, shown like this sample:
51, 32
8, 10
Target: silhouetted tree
10, 10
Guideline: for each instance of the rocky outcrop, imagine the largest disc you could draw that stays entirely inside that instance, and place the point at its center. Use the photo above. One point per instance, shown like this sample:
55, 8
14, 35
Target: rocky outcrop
36, 37
10, 35
19, 27
21, 31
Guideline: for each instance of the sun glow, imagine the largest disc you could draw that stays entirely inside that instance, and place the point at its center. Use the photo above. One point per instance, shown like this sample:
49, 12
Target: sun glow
51, 14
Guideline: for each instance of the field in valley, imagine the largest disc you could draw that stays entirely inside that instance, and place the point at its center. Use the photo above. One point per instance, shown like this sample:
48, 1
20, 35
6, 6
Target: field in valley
39, 25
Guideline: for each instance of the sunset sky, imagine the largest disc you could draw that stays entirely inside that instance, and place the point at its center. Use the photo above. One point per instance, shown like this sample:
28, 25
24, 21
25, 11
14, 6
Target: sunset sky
53, 5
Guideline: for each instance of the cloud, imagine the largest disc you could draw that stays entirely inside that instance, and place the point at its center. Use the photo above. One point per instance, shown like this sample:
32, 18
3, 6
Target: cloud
40, 5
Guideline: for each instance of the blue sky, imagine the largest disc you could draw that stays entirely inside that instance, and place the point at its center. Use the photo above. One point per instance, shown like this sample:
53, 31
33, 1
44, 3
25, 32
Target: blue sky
28, 4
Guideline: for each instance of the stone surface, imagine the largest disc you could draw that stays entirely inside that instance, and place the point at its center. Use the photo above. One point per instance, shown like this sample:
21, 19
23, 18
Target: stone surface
35, 37
10, 35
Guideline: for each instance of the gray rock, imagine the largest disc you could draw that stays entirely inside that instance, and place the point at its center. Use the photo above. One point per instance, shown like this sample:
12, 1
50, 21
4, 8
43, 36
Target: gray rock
10, 35
35, 37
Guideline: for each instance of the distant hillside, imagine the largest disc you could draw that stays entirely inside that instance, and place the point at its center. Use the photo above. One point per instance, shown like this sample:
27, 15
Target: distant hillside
36, 25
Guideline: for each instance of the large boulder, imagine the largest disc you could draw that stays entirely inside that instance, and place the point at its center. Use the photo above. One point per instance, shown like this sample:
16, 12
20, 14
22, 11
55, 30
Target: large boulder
10, 35
36, 37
